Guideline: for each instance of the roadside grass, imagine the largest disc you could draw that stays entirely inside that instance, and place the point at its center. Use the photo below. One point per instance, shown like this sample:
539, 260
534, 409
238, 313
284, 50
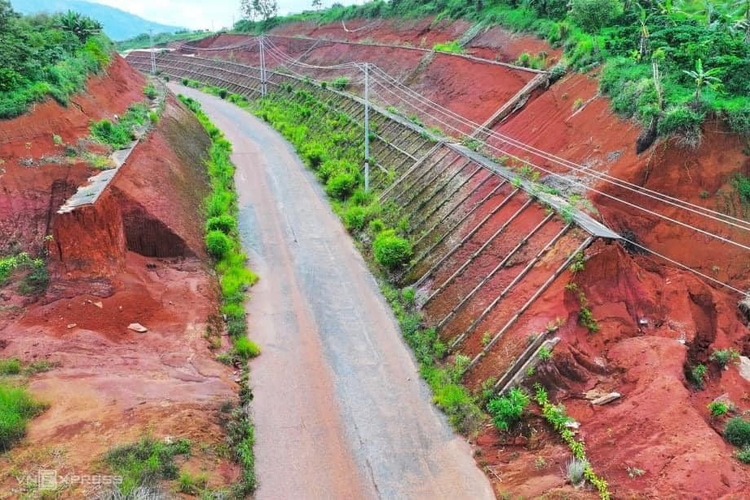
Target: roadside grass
223, 243
334, 153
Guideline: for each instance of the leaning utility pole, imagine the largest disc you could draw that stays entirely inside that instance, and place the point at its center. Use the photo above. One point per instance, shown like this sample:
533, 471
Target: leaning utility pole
367, 127
153, 52
262, 67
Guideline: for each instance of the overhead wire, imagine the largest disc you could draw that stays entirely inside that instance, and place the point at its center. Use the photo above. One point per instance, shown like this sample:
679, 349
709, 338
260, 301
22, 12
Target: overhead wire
385, 81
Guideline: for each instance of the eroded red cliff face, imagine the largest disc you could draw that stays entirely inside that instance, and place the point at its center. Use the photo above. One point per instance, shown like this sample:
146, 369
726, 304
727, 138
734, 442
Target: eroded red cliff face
132, 256
37, 174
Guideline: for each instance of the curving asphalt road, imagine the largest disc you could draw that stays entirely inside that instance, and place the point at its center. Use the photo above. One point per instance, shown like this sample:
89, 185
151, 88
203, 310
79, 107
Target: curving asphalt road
339, 408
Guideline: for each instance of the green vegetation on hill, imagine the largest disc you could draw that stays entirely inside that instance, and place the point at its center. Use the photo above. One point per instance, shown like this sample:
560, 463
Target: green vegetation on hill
143, 40
117, 23
670, 65
43, 56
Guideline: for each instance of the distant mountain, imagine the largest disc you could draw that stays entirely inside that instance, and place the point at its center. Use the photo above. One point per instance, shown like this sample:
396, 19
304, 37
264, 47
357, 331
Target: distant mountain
118, 24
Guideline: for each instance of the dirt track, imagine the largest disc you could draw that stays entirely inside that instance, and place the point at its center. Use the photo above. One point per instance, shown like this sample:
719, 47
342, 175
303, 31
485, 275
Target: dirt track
339, 407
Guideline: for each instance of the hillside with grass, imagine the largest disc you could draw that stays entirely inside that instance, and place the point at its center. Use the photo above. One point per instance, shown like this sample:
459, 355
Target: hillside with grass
669, 65
43, 57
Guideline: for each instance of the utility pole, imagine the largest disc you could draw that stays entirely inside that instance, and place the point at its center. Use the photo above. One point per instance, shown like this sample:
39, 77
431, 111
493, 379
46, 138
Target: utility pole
262, 67
153, 52
367, 127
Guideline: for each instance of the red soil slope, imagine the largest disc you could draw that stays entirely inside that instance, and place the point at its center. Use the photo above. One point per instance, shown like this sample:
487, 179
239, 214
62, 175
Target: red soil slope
133, 256
35, 173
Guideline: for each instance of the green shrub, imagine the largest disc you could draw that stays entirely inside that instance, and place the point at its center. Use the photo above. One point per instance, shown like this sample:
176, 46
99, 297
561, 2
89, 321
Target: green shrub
146, 462
742, 185
391, 251
355, 218
452, 47
743, 455
409, 296
192, 485
224, 223
593, 15
506, 411
722, 357
218, 244
737, 431
340, 83
314, 154
341, 186
682, 120
17, 407
150, 91
119, 135
376, 226
698, 374
718, 408
244, 348
10, 366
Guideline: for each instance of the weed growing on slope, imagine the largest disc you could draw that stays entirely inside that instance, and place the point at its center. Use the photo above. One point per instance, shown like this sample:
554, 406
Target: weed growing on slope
120, 134
737, 432
722, 357
507, 410
556, 416
36, 277
146, 462
452, 47
17, 407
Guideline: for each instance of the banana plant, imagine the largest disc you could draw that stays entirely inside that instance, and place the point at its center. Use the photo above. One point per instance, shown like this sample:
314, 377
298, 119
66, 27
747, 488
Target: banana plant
703, 78
81, 26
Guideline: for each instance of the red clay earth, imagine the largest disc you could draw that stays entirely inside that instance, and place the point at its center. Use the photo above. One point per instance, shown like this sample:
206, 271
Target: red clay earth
134, 256
35, 172
654, 319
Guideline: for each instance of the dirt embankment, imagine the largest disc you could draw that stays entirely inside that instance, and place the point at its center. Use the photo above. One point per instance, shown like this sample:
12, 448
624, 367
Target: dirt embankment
655, 321
134, 256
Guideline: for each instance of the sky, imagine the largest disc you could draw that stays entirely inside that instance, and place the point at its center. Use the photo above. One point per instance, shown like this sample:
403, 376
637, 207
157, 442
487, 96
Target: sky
202, 14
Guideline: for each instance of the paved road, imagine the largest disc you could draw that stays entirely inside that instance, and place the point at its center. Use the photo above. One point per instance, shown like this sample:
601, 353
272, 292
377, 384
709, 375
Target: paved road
340, 410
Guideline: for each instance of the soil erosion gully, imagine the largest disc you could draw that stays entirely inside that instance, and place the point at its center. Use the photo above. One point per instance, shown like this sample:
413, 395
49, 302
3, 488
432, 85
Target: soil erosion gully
339, 408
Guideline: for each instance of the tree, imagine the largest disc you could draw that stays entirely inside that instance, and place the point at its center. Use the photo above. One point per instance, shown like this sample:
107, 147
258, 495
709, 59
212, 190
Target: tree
592, 15
259, 9
6, 14
317, 4
702, 78
81, 26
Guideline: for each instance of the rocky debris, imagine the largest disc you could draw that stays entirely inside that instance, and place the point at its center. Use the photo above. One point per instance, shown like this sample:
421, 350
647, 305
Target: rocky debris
137, 327
744, 367
744, 306
606, 399
71, 325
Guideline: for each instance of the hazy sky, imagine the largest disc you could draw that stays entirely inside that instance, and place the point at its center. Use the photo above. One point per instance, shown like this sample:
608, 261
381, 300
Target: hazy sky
201, 13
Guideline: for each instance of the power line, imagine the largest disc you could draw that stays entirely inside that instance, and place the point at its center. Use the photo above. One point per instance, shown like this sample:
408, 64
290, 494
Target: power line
643, 191
632, 205
279, 54
745, 225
